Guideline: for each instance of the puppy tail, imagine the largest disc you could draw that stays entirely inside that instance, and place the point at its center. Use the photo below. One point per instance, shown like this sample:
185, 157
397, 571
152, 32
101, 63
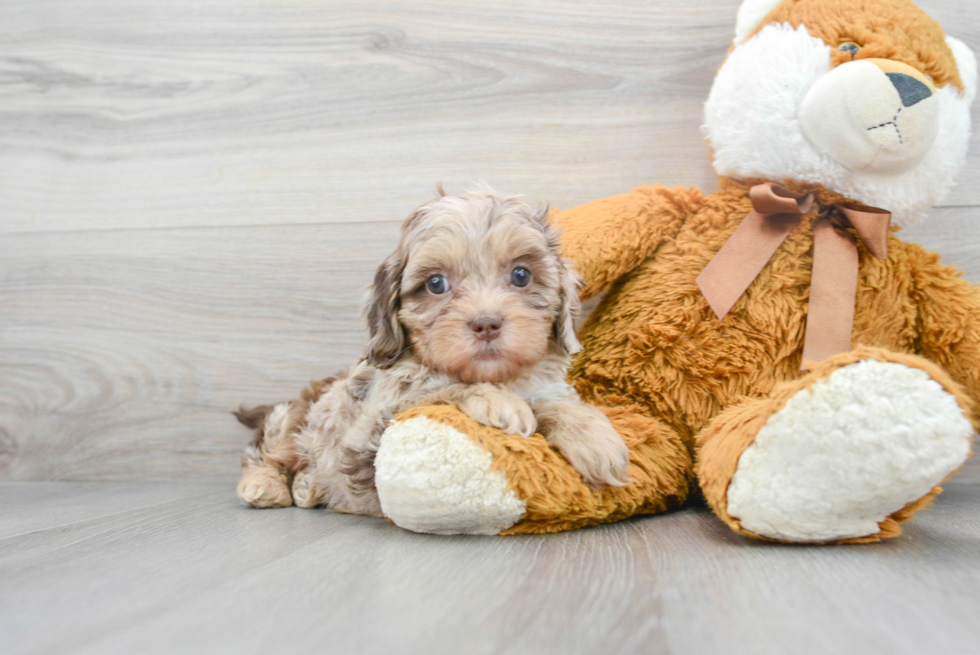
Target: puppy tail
254, 417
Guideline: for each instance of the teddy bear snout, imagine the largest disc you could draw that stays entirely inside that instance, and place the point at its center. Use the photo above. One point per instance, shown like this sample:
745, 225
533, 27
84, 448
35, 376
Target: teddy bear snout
872, 115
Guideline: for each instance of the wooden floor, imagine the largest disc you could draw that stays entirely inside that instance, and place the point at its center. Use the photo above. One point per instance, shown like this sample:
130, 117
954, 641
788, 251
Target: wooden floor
193, 197
183, 568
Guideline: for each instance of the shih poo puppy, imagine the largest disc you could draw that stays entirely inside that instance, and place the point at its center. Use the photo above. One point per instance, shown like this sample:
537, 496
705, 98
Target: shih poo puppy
474, 308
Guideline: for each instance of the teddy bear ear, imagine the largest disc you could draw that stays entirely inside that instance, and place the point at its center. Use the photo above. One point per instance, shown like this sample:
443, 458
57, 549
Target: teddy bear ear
966, 64
750, 16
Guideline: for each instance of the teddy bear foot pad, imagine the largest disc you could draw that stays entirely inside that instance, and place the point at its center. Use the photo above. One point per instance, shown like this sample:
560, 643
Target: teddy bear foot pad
843, 455
432, 478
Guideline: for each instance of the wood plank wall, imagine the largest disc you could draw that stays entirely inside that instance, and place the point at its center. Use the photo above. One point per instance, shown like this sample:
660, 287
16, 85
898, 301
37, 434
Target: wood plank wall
194, 195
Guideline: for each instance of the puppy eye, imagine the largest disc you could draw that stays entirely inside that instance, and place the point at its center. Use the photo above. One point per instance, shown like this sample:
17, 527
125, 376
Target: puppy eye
849, 46
437, 284
520, 277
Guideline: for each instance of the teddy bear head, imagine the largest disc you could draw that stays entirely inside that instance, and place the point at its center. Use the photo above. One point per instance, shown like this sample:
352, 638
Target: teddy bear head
868, 98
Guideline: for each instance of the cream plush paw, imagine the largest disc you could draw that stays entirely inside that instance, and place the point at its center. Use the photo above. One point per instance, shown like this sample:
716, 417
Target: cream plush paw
841, 456
432, 478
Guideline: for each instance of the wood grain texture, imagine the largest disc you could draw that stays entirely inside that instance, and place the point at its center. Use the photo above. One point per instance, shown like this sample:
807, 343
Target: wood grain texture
125, 351
193, 196
129, 114
186, 569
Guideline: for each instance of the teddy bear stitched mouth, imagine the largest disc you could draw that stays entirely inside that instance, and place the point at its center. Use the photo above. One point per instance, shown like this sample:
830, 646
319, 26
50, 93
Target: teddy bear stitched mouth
911, 91
894, 122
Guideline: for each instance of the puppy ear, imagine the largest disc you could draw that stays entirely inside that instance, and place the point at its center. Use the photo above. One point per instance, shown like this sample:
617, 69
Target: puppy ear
568, 309
541, 217
568, 286
387, 336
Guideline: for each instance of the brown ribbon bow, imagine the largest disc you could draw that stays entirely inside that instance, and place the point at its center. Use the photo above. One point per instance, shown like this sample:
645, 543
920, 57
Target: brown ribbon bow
833, 284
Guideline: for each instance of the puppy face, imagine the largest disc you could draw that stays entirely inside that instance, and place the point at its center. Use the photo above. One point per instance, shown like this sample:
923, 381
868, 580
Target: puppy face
476, 289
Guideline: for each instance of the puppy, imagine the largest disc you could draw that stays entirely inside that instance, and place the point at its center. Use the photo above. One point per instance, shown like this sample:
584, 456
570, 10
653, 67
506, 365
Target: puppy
475, 308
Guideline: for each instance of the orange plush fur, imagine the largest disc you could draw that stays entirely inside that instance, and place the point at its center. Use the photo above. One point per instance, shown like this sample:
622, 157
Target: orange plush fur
689, 393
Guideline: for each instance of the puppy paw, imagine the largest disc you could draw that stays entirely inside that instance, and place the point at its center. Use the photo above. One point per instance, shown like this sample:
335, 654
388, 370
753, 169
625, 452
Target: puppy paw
305, 492
593, 447
499, 408
264, 486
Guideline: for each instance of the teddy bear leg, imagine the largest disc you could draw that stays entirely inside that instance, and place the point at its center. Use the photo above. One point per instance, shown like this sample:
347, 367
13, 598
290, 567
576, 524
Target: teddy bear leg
438, 471
432, 477
843, 454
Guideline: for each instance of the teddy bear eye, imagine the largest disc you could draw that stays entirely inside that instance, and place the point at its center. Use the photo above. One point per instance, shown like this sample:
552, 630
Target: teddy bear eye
437, 284
849, 46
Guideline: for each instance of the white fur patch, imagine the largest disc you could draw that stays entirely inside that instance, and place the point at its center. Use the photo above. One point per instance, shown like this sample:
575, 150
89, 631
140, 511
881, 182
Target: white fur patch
752, 125
839, 458
856, 115
432, 478
274, 423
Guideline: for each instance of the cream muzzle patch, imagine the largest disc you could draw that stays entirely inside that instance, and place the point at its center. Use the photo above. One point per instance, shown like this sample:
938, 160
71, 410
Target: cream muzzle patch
872, 115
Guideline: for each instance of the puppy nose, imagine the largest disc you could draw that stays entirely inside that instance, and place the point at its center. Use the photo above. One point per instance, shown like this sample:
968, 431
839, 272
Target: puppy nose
910, 90
487, 327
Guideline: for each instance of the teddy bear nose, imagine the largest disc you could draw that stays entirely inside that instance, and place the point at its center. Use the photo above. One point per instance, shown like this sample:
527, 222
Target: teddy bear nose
909, 89
486, 327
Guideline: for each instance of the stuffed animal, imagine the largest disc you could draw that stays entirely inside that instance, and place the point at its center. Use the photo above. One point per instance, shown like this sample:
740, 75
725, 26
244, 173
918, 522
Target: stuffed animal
773, 344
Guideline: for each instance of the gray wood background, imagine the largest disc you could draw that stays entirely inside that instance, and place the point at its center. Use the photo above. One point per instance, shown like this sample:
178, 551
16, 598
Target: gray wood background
194, 195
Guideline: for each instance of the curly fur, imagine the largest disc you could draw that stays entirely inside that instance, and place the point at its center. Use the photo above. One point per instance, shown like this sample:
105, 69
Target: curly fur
426, 347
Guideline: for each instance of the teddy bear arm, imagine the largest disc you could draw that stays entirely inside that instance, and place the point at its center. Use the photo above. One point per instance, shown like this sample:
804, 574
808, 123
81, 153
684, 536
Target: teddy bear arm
609, 237
439, 471
949, 325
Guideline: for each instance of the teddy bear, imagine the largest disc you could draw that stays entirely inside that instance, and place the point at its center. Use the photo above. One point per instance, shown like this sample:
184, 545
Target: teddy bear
773, 347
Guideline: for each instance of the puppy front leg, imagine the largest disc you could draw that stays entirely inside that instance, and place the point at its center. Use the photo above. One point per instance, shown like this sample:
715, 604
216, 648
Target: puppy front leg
586, 438
352, 466
491, 405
